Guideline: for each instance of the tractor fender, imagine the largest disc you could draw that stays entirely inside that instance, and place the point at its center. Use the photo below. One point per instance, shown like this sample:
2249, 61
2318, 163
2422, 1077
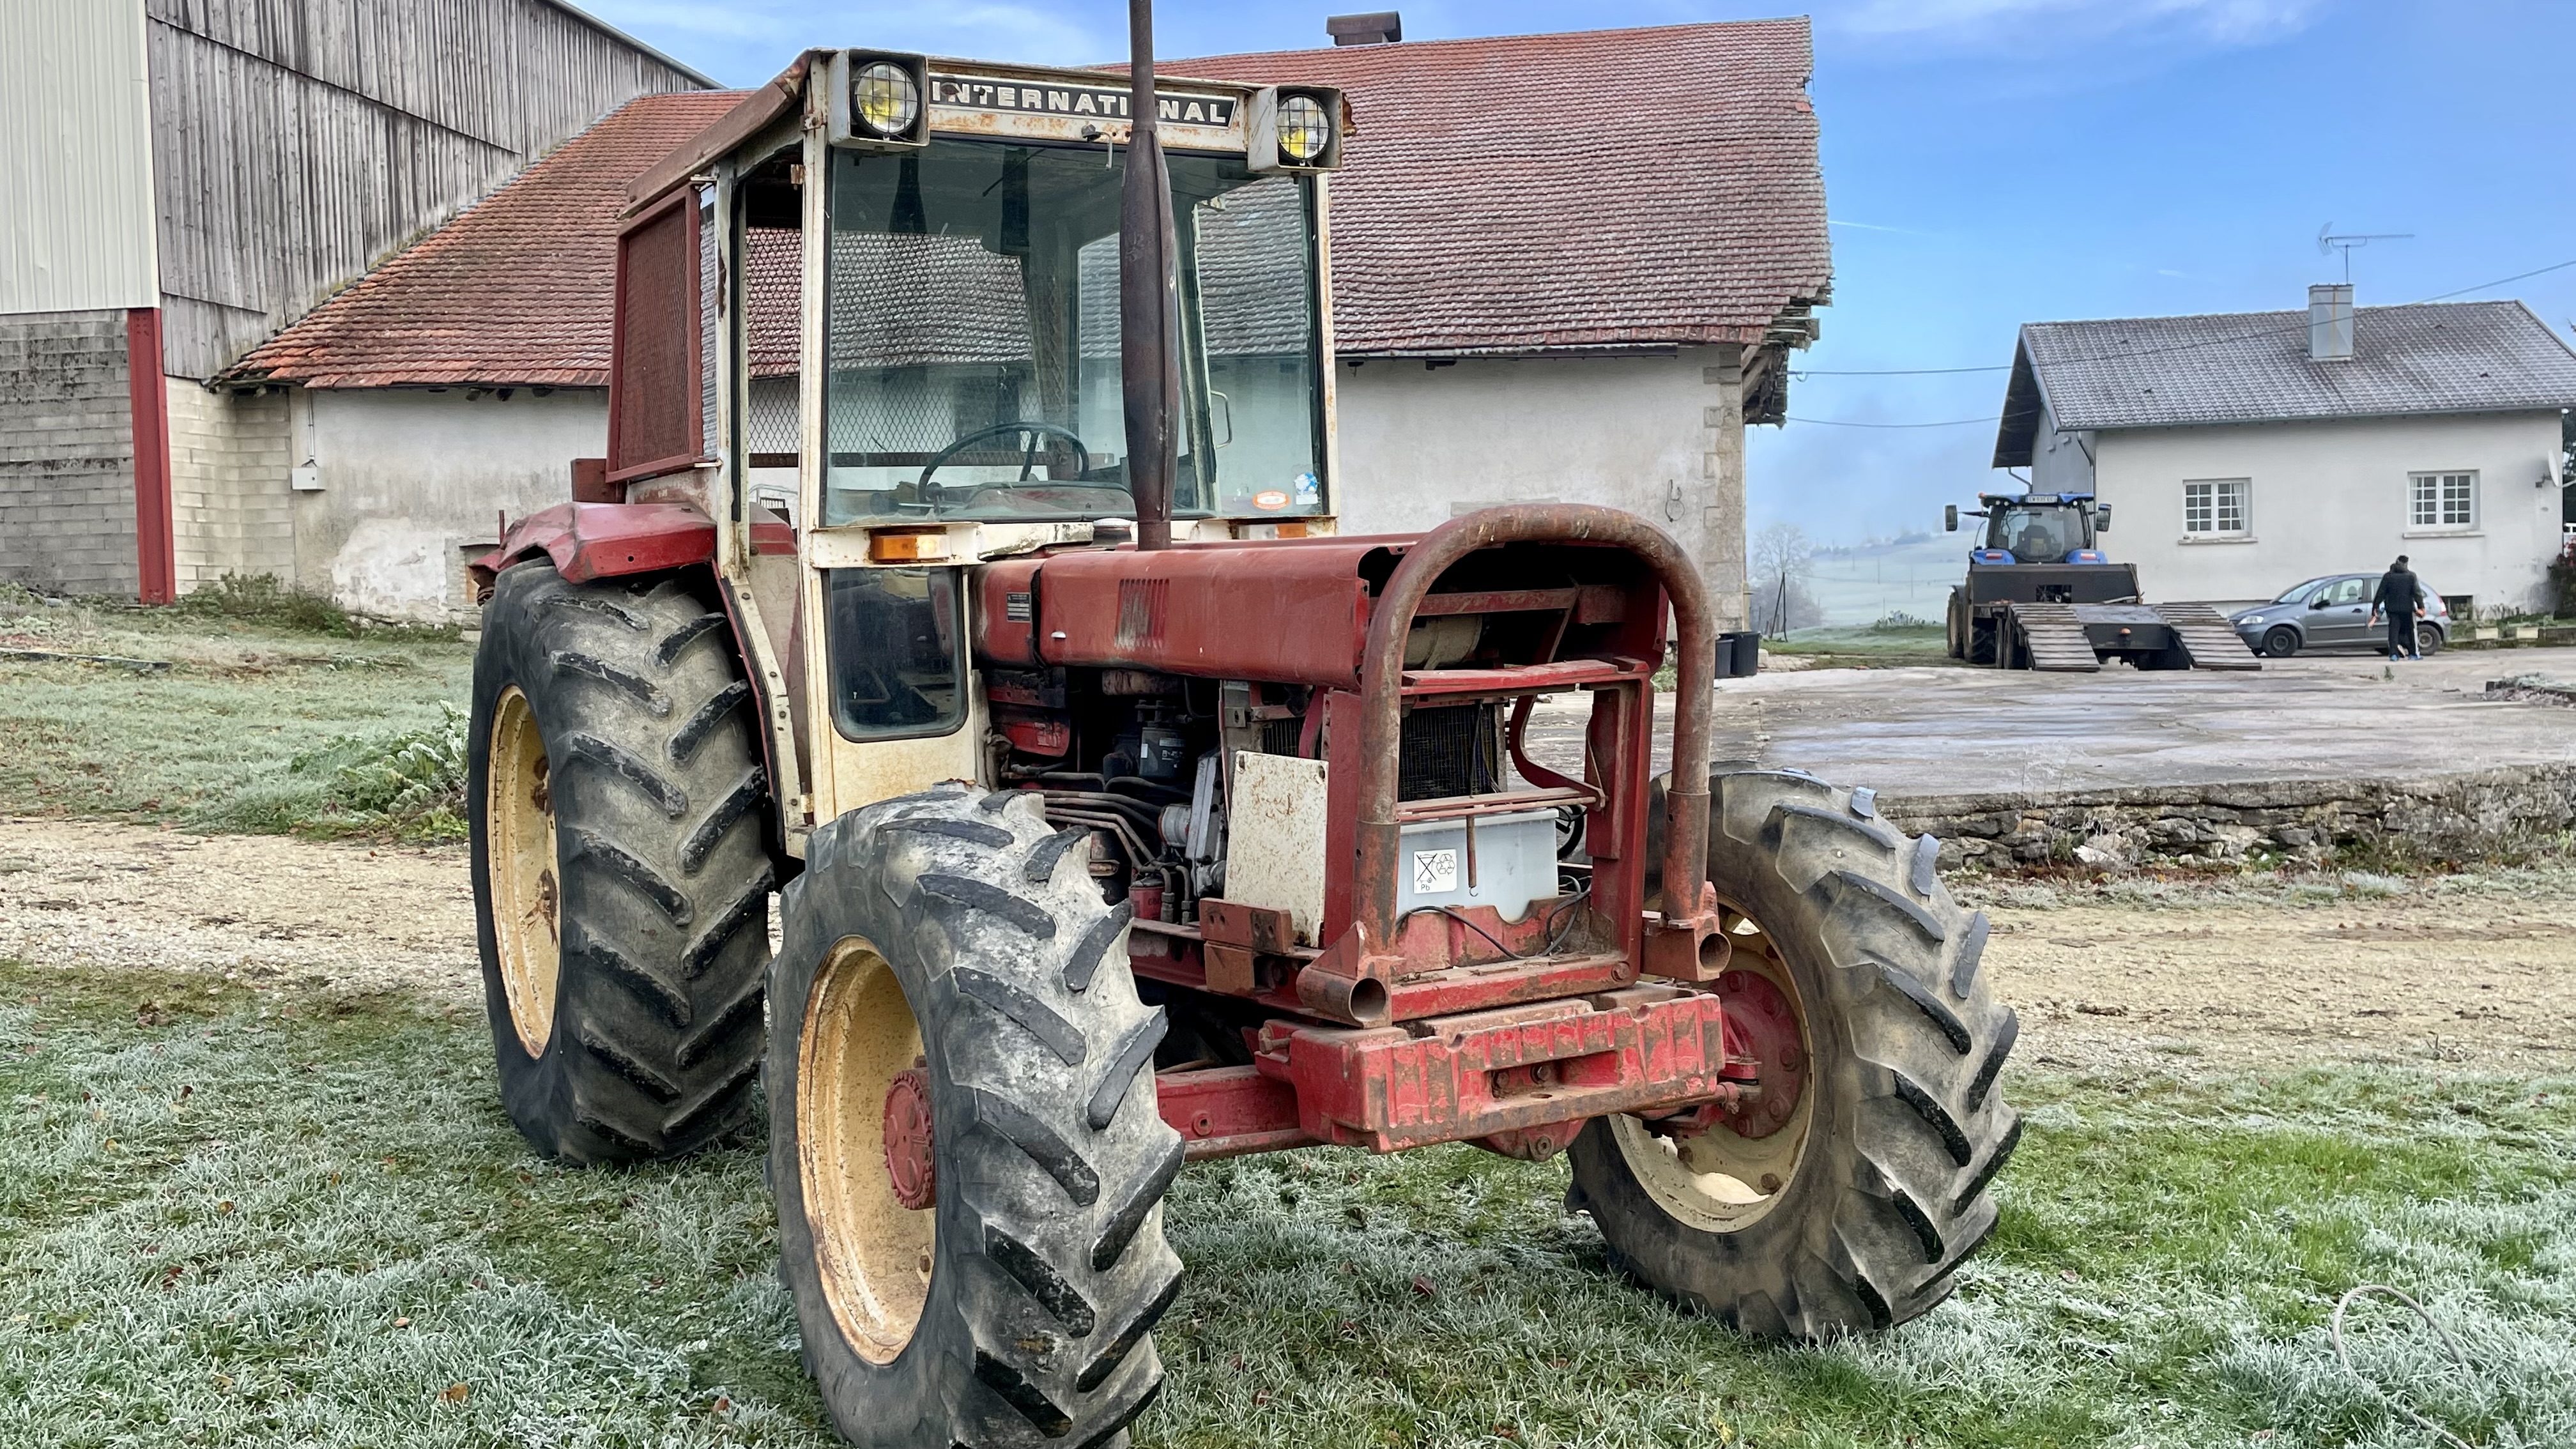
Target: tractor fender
603, 540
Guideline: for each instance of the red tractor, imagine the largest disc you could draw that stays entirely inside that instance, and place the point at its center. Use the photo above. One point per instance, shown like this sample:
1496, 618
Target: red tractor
963, 571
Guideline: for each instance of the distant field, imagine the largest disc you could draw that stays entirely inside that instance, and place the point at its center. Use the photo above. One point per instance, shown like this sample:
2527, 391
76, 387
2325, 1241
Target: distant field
1864, 585
1866, 644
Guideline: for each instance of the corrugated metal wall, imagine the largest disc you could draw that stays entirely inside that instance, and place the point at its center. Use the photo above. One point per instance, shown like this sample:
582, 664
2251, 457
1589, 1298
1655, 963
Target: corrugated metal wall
298, 142
76, 164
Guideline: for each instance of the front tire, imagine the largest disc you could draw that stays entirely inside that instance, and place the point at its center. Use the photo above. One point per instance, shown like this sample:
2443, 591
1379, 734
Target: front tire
1853, 1214
2280, 642
950, 948
621, 867
1982, 636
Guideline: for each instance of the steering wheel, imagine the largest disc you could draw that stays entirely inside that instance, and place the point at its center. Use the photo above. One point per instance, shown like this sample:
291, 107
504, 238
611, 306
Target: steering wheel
930, 493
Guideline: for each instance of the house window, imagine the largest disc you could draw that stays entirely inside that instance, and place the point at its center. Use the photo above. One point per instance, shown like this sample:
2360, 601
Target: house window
2443, 500
2215, 507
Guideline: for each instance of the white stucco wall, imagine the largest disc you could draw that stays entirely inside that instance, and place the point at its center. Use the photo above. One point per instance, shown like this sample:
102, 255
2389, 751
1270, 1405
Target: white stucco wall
2333, 497
1662, 437
2060, 462
412, 479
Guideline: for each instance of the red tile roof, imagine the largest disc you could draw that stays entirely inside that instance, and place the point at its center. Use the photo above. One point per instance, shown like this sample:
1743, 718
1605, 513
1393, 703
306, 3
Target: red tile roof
515, 292
1601, 188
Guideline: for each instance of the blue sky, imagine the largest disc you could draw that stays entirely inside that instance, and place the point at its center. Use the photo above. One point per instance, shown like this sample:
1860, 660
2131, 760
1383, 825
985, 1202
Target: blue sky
1989, 162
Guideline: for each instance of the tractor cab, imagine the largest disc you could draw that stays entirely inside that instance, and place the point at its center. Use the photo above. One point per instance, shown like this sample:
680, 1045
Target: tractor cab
2036, 528
963, 576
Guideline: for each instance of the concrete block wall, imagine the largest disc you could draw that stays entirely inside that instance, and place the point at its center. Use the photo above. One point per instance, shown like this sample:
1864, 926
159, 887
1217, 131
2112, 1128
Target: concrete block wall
66, 453
230, 507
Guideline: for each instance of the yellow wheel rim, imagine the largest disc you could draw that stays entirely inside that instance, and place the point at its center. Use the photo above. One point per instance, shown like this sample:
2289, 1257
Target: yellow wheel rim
1718, 1182
871, 1252
527, 896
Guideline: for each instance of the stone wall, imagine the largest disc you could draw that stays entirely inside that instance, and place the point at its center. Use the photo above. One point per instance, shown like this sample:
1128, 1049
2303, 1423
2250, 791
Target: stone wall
229, 504
66, 453
2468, 816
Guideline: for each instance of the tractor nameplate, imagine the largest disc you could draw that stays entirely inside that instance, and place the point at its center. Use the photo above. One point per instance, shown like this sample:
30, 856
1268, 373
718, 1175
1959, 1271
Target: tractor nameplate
1055, 98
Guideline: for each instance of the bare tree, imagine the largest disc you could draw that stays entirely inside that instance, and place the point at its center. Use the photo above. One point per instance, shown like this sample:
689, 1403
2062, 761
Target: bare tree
1782, 560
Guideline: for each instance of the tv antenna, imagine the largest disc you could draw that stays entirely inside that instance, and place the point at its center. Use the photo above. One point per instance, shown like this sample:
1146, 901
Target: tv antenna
2329, 241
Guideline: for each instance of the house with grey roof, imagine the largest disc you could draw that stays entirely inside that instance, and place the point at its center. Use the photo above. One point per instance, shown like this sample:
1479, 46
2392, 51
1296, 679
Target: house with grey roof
2242, 453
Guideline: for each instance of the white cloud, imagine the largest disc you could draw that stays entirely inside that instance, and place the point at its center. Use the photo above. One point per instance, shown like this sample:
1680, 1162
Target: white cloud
1973, 22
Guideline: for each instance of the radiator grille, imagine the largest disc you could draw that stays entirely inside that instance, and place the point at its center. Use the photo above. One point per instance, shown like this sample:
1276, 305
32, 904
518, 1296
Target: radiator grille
1453, 751
1281, 736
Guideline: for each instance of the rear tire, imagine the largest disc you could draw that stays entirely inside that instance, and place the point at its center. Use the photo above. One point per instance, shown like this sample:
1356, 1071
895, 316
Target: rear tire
1981, 641
2428, 639
1902, 1129
954, 930
621, 864
2280, 642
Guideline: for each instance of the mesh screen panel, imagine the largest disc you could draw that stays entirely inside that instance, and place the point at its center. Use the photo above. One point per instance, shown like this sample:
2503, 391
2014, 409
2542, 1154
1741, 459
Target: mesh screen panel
655, 405
1450, 751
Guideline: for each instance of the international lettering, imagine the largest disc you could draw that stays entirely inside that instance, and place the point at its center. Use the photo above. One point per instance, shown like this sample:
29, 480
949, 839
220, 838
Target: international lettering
1072, 101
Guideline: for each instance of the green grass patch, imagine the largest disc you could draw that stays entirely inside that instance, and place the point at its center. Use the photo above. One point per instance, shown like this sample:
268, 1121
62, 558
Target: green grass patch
225, 1219
263, 599
253, 726
1886, 644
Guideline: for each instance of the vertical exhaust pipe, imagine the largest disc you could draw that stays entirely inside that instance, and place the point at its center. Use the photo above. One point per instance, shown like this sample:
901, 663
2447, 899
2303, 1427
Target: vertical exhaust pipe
1148, 298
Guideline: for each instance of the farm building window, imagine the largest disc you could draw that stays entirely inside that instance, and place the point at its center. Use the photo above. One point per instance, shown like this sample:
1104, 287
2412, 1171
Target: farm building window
2215, 507
2443, 500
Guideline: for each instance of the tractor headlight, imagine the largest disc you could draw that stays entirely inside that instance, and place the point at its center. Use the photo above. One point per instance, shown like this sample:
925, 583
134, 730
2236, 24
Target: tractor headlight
885, 99
1304, 130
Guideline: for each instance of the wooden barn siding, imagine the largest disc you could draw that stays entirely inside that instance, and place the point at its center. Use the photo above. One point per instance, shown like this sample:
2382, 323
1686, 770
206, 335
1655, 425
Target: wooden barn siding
299, 142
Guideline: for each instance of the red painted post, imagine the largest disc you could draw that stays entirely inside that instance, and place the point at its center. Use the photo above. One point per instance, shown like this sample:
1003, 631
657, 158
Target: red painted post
155, 544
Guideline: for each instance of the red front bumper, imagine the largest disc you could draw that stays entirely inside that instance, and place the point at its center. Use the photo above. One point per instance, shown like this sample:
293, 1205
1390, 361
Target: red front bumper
1460, 1078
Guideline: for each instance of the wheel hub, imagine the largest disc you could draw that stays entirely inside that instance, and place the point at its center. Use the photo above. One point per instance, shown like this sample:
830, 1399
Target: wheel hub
1767, 1023
1722, 1165
910, 1163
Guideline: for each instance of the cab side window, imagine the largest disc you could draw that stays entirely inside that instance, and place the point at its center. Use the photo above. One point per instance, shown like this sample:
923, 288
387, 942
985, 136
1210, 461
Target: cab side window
898, 652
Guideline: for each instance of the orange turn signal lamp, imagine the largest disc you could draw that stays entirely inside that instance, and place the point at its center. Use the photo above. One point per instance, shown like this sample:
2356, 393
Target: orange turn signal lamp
909, 545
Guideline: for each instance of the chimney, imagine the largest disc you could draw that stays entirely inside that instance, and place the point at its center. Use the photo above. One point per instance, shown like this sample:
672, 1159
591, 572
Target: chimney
2330, 322
1383, 27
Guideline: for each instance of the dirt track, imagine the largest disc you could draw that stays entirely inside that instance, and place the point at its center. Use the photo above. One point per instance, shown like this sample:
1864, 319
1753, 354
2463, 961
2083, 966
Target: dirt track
2485, 981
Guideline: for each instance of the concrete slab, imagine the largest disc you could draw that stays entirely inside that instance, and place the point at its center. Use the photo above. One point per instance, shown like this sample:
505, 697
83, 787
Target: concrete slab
1952, 731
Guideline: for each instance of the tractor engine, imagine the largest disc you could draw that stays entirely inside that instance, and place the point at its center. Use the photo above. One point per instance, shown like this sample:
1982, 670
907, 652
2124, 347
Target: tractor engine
1148, 695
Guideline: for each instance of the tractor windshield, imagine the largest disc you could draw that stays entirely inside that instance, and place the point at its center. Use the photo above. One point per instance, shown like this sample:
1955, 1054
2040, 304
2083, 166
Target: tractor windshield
972, 337
2044, 533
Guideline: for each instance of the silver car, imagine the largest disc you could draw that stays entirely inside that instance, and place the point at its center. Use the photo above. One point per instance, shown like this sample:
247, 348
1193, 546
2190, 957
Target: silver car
2333, 612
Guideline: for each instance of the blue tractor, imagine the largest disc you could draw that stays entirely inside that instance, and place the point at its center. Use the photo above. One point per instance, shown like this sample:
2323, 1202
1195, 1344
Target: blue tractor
2040, 594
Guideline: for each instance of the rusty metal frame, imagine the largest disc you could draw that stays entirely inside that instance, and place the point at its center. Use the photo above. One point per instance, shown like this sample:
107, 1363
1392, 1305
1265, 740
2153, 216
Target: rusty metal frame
1685, 866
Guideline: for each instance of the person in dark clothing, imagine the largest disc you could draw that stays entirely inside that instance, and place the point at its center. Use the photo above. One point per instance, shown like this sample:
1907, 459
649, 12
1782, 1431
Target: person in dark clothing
2401, 598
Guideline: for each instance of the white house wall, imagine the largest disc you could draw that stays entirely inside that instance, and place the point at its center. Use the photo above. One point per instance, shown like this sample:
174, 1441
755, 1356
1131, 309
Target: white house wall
412, 482
2060, 462
1662, 437
2333, 498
